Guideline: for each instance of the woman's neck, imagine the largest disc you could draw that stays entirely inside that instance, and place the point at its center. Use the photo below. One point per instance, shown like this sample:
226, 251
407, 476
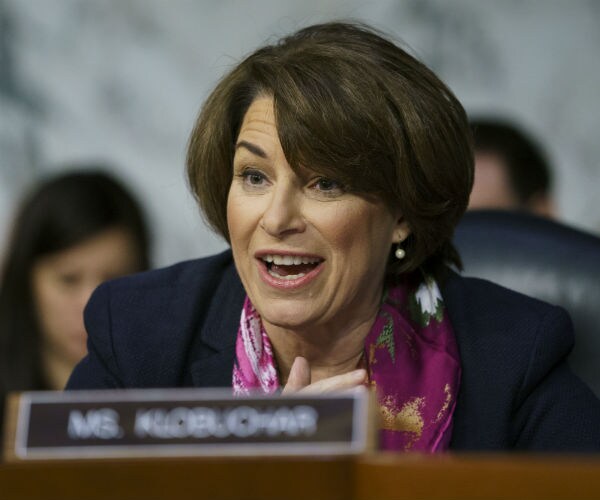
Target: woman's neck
328, 353
56, 370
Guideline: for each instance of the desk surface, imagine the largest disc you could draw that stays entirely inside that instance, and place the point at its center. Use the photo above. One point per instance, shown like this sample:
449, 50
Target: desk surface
380, 476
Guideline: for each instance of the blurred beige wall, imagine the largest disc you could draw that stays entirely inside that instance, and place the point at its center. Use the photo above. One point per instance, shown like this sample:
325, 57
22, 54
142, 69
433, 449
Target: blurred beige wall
122, 80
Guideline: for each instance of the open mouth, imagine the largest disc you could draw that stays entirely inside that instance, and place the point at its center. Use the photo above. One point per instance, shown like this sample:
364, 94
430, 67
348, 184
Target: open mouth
290, 267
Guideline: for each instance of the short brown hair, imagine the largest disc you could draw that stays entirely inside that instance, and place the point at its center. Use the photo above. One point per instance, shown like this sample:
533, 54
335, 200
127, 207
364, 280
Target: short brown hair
355, 107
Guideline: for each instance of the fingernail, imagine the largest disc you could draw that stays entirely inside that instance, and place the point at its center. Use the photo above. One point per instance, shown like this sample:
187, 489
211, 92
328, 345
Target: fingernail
360, 374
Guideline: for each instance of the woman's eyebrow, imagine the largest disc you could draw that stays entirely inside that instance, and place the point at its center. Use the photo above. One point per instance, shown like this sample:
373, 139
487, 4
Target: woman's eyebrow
254, 149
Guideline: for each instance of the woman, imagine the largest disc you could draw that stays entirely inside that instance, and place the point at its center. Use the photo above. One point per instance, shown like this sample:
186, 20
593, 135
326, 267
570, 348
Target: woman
336, 166
71, 233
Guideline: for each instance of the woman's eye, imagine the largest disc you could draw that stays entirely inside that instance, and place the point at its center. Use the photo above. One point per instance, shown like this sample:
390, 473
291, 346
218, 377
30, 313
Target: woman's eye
68, 279
253, 177
328, 185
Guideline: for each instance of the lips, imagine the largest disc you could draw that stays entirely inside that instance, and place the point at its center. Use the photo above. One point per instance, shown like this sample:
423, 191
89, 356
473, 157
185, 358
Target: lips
289, 270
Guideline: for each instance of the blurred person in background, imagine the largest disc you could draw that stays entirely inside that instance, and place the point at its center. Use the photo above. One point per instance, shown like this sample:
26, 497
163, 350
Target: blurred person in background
511, 170
71, 233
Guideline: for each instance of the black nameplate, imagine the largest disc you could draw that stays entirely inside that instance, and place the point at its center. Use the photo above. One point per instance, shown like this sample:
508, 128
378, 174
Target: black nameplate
186, 422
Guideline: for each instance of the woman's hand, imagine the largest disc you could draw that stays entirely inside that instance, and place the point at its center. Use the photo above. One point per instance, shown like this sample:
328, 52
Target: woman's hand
299, 380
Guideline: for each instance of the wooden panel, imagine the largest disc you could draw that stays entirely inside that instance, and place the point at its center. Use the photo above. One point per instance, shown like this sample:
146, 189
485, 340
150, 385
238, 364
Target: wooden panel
374, 477
389, 476
178, 479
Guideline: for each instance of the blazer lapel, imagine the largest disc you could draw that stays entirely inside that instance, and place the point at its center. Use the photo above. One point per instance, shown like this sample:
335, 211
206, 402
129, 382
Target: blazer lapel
212, 362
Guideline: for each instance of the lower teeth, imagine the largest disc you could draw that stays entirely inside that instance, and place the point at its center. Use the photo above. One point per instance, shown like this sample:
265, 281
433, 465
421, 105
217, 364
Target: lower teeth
289, 277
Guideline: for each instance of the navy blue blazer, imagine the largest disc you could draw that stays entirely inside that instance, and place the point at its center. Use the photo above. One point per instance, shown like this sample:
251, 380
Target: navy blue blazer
177, 327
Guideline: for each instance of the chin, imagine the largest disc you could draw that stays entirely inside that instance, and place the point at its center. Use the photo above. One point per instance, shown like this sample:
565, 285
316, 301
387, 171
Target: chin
287, 317
77, 352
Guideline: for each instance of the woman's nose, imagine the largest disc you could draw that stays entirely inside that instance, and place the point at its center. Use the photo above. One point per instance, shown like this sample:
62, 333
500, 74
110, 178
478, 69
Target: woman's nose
283, 214
85, 292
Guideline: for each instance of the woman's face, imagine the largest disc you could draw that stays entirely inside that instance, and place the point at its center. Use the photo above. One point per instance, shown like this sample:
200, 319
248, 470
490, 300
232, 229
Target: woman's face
63, 282
307, 252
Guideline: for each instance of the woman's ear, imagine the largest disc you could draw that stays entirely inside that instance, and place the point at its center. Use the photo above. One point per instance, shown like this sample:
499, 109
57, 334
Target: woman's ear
401, 231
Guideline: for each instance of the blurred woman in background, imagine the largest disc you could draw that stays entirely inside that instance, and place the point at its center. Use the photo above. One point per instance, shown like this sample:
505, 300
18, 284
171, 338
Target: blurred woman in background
71, 233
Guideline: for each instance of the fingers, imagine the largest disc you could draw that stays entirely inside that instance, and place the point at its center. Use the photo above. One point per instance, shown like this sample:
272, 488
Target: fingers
299, 376
299, 380
342, 382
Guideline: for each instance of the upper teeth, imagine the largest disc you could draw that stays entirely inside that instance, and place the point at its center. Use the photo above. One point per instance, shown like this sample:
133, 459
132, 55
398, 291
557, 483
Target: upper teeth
289, 260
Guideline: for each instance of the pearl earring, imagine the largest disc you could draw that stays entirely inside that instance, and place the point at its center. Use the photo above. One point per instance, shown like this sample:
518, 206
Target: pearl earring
400, 253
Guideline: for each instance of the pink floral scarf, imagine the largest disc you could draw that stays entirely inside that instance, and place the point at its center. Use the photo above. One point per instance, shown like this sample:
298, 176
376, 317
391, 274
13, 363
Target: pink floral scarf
411, 358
